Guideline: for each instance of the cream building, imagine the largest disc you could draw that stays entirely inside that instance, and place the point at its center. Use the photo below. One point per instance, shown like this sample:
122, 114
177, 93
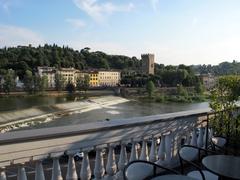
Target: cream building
109, 78
50, 73
68, 74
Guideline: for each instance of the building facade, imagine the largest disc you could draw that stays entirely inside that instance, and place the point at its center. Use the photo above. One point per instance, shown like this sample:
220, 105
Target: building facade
94, 80
68, 74
109, 78
50, 73
97, 78
147, 63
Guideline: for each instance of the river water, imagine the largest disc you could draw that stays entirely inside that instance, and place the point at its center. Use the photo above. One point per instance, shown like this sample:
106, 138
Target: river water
122, 110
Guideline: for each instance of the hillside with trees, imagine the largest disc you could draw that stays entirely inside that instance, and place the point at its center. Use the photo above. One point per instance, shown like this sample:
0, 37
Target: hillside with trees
224, 68
23, 58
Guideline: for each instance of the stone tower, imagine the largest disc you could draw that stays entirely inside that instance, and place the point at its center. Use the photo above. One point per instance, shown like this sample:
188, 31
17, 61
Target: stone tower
147, 63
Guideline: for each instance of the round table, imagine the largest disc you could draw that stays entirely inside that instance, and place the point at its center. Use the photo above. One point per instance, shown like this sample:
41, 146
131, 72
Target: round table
172, 177
223, 165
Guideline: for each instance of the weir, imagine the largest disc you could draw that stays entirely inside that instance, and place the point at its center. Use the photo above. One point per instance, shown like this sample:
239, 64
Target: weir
10, 120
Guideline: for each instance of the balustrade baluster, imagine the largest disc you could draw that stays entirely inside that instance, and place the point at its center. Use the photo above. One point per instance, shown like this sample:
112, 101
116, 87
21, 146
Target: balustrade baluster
3, 174
153, 153
161, 149
144, 151
205, 137
39, 173
111, 167
99, 170
85, 173
194, 138
56, 171
122, 161
134, 152
168, 145
200, 138
71, 170
21, 173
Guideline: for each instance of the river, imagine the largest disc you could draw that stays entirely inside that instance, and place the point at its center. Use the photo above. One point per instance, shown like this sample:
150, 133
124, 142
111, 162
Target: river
128, 109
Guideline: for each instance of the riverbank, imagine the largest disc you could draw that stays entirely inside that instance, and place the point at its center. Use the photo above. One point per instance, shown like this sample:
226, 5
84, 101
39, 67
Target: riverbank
37, 115
92, 92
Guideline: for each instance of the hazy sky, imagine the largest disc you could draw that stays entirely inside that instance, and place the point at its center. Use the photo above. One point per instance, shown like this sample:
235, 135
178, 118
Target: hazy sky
176, 31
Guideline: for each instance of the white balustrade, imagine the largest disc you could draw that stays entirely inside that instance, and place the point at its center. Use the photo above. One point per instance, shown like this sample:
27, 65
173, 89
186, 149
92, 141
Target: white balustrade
3, 174
194, 138
161, 149
153, 152
99, 170
111, 167
35, 145
21, 173
200, 138
71, 169
56, 171
144, 151
168, 144
39, 172
134, 152
206, 137
123, 160
85, 173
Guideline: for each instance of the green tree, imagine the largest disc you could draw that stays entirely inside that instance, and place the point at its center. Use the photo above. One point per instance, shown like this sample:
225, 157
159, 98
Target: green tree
28, 82
223, 101
150, 89
40, 83
199, 88
9, 82
182, 91
82, 84
59, 82
70, 87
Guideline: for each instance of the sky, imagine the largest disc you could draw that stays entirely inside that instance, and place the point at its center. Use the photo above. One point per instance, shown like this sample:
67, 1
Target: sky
176, 31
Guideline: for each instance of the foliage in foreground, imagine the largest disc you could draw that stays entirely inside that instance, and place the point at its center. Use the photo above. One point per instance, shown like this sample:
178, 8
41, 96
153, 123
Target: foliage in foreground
223, 101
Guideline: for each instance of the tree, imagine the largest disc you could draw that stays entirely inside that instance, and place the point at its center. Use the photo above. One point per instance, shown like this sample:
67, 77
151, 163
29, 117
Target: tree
182, 91
40, 83
28, 82
59, 82
199, 88
9, 82
83, 83
223, 101
150, 89
70, 87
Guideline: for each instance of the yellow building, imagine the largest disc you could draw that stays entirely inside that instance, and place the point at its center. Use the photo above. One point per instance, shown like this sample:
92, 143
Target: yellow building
94, 79
109, 78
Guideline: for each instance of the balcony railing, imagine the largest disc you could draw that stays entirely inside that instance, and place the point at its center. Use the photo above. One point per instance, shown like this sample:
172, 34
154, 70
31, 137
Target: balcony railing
34, 146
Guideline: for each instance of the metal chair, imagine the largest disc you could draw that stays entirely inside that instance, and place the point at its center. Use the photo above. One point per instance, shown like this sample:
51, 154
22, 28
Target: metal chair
218, 143
143, 170
189, 154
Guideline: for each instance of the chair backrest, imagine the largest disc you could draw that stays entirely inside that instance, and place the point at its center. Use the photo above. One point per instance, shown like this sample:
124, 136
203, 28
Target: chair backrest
188, 153
219, 141
140, 169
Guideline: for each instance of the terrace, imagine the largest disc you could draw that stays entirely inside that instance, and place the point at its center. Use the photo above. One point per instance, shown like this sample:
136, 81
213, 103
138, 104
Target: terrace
23, 150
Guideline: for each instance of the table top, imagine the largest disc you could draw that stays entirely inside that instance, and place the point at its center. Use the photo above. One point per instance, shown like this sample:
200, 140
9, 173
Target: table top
172, 177
223, 165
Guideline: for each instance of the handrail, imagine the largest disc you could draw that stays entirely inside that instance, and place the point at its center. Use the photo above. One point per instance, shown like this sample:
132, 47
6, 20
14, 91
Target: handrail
71, 130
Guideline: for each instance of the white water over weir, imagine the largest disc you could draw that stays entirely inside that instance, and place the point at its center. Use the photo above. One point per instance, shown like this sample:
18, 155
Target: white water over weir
27, 117
33, 146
